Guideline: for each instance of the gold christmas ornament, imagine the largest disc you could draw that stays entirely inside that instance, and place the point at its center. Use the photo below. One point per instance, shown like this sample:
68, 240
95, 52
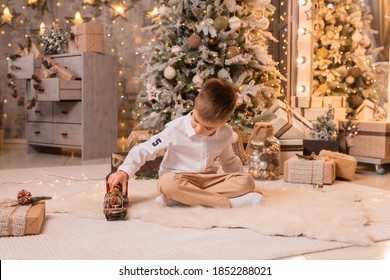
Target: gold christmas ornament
322, 53
232, 51
323, 88
194, 41
221, 23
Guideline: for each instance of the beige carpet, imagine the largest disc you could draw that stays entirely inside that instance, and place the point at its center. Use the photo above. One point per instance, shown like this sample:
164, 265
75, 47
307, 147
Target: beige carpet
294, 220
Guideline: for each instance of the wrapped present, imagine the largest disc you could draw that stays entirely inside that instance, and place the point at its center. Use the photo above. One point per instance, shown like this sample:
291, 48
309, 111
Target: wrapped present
315, 171
288, 124
309, 102
62, 72
311, 114
345, 164
19, 220
339, 113
335, 101
371, 139
366, 110
289, 148
88, 37
149, 170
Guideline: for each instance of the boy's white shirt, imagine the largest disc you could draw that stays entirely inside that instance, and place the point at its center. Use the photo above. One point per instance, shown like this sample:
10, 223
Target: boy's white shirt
186, 151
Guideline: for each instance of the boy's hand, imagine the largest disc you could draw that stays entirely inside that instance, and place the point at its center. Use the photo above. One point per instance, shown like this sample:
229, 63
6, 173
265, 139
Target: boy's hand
119, 177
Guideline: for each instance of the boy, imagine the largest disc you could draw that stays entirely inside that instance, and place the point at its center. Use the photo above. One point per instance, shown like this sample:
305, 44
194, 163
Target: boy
193, 143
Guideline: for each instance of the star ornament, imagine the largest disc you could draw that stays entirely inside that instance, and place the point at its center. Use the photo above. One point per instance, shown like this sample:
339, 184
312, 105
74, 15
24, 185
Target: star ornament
7, 17
119, 10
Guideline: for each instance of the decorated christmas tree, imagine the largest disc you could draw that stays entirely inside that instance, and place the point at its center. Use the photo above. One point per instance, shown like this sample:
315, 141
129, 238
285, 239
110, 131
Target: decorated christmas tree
196, 40
343, 55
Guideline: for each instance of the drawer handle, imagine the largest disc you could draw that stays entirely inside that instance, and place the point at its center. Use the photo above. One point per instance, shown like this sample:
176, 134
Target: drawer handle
37, 111
37, 132
64, 112
64, 134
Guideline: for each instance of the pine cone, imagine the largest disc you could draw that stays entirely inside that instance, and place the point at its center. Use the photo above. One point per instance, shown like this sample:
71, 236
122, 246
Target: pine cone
24, 197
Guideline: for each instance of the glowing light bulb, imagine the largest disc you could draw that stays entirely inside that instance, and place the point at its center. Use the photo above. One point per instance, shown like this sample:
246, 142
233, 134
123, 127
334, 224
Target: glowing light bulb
301, 88
77, 18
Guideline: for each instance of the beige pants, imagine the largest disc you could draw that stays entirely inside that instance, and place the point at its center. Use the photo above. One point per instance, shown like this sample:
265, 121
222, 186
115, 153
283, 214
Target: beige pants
206, 189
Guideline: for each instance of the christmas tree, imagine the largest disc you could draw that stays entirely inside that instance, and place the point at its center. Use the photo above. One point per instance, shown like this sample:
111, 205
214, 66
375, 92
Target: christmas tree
325, 128
343, 55
196, 40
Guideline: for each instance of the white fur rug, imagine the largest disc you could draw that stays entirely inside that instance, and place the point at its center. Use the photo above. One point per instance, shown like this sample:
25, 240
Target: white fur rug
294, 219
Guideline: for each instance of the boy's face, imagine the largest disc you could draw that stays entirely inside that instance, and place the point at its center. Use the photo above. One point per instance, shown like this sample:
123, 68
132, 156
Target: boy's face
205, 128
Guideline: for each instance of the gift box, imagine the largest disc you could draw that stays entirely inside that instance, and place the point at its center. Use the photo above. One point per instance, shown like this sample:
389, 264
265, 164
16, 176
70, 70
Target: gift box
339, 113
311, 114
345, 164
372, 139
304, 171
32, 215
335, 101
366, 110
89, 37
289, 148
309, 102
288, 123
149, 170
62, 72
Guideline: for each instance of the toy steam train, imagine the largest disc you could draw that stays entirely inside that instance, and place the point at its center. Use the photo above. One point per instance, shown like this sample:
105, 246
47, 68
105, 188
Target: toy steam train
115, 203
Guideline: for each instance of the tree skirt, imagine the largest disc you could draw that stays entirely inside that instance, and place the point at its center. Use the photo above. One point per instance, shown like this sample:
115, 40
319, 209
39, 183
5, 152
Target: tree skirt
294, 219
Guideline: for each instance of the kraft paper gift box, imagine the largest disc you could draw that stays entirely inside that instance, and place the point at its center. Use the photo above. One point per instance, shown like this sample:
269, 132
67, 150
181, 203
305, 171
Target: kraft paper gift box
34, 219
339, 113
89, 37
372, 140
311, 114
288, 149
302, 171
309, 101
288, 123
345, 164
335, 101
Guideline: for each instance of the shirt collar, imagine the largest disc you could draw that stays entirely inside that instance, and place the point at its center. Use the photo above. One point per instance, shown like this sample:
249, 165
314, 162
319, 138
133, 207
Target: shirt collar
190, 130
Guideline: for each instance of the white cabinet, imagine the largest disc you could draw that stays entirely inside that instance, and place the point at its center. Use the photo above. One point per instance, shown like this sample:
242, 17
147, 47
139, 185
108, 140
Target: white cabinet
80, 114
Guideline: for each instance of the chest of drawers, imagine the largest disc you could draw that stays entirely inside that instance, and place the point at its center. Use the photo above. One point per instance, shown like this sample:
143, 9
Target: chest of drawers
80, 114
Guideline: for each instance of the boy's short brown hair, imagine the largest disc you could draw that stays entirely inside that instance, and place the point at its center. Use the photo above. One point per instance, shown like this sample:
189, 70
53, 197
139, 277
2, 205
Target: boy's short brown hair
216, 100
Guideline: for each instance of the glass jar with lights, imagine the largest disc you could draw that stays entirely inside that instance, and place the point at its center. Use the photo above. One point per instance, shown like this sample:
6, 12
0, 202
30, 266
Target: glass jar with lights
263, 152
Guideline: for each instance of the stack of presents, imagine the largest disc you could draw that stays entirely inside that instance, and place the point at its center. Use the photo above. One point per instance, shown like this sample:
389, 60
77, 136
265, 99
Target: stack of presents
35, 62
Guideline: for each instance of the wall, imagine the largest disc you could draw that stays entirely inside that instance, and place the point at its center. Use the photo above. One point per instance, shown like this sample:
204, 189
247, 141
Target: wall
122, 37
